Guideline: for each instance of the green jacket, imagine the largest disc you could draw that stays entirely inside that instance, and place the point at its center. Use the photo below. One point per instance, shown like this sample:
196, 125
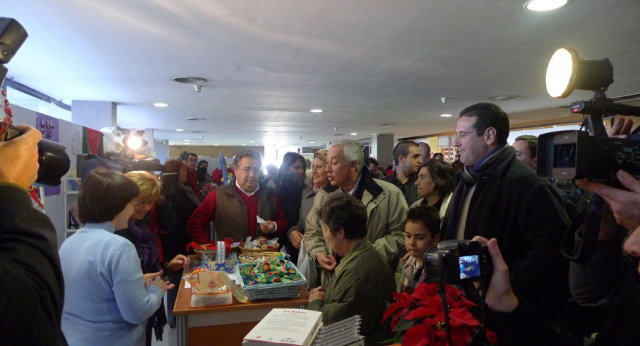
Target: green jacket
386, 212
361, 285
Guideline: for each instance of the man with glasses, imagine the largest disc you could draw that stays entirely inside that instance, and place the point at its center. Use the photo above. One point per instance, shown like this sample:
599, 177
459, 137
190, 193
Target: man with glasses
500, 197
234, 207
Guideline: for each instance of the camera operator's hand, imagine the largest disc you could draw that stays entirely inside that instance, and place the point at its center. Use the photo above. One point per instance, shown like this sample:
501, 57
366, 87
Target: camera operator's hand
625, 204
500, 296
621, 128
19, 158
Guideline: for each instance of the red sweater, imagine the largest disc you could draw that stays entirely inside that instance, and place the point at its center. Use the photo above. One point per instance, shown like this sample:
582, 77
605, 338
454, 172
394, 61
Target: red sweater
192, 182
198, 223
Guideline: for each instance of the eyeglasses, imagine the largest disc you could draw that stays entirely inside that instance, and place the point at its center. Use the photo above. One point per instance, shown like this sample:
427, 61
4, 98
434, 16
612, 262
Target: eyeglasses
463, 134
249, 170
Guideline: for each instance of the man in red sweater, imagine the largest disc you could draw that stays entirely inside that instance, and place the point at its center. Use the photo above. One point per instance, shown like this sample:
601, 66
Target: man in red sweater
234, 207
191, 160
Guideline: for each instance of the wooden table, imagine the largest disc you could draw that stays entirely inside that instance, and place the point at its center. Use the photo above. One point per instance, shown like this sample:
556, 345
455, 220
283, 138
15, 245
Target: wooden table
224, 325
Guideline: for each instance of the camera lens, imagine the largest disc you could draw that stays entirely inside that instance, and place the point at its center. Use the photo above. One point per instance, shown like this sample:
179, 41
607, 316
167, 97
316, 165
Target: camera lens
54, 163
564, 156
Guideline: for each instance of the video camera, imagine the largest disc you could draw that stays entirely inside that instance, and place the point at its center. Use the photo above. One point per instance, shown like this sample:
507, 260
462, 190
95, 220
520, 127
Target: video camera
54, 161
589, 154
458, 262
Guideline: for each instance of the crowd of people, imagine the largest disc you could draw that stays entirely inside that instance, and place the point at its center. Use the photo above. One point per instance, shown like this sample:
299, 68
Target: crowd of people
357, 233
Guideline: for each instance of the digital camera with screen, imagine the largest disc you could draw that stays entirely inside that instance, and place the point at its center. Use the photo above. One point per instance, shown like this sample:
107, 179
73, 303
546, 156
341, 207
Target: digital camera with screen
458, 261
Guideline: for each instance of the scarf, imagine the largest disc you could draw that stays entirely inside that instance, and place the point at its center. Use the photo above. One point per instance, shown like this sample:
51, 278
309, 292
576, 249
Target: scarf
468, 179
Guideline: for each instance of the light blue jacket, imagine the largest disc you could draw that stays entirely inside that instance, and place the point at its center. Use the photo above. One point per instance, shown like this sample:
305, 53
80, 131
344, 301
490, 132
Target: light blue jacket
106, 302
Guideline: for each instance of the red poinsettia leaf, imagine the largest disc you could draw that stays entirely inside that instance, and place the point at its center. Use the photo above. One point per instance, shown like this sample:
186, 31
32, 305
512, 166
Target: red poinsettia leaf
421, 312
434, 302
403, 297
463, 302
424, 290
391, 309
460, 336
416, 336
462, 317
452, 292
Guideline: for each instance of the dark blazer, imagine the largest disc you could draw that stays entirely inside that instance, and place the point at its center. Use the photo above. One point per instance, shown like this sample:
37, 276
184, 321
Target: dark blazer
526, 215
31, 283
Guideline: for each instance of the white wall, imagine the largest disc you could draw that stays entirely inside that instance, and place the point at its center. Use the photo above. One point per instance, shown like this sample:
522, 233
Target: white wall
54, 204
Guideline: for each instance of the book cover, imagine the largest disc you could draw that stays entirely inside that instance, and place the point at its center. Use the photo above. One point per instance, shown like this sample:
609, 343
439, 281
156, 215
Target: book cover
285, 327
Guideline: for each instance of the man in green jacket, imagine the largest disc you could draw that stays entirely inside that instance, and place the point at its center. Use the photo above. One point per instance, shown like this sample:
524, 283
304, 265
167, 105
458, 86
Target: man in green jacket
386, 208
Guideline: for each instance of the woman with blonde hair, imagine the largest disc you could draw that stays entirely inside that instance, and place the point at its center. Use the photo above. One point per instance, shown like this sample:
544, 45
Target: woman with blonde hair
296, 233
143, 228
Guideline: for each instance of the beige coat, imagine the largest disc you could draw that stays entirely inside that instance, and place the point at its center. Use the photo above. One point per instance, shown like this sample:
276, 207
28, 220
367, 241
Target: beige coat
386, 211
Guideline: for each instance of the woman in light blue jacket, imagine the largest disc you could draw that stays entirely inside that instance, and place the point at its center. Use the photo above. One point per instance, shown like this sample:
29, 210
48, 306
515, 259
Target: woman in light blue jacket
107, 298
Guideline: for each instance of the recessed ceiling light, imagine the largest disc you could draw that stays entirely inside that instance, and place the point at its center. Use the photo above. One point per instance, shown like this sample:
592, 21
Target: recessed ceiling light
179, 130
506, 97
544, 5
161, 104
446, 115
251, 141
271, 133
316, 110
189, 80
354, 133
312, 142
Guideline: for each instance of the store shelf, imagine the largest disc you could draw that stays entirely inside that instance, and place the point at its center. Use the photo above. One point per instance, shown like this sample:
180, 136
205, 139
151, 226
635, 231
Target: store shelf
70, 191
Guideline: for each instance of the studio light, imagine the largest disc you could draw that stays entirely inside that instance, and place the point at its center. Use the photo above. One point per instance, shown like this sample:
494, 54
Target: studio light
134, 142
567, 72
544, 5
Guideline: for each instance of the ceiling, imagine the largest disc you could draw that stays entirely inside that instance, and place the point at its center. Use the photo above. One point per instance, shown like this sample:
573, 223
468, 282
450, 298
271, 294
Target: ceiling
365, 62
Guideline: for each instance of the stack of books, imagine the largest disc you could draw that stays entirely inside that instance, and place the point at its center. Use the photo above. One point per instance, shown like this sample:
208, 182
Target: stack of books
285, 327
342, 333
300, 327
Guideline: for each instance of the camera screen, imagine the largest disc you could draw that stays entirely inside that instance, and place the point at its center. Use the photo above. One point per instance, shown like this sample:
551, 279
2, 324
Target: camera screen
469, 266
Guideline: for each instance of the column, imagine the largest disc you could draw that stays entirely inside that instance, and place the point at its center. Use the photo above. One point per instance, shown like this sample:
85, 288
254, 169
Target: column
382, 149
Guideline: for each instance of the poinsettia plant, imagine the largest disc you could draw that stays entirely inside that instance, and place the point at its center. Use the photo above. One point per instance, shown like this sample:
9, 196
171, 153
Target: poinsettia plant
418, 318
207, 188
